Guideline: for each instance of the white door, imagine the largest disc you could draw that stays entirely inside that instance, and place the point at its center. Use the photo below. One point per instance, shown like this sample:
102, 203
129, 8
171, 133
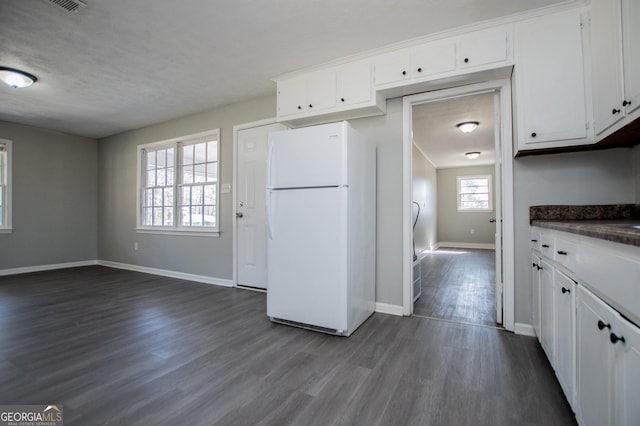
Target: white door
250, 208
497, 184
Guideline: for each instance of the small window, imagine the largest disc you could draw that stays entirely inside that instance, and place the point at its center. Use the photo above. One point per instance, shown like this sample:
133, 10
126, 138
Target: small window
474, 193
178, 188
5, 185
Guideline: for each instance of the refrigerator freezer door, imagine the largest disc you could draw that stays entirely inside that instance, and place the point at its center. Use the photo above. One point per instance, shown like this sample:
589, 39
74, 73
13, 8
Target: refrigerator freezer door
307, 257
308, 157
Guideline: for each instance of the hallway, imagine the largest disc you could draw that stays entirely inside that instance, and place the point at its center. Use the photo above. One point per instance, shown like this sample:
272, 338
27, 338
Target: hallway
458, 285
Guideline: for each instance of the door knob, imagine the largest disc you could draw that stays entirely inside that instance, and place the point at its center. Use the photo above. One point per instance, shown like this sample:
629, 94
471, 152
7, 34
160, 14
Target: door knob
239, 215
492, 219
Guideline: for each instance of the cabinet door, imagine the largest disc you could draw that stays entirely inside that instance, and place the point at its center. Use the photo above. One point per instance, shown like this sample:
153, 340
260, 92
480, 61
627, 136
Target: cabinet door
535, 293
550, 82
546, 310
393, 67
321, 90
627, 362
594, 360
564, 313
292, 96
482, 48
434, 58
631, 43
606, 63
354, 82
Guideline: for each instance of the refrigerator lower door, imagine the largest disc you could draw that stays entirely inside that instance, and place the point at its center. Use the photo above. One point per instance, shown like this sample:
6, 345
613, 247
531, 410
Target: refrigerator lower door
307, 257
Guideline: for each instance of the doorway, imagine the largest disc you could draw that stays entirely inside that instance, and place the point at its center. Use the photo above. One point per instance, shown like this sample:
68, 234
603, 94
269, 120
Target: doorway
249, 199
499, 122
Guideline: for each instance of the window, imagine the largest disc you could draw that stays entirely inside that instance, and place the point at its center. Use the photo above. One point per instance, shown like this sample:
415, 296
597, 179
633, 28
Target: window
474, 193
5, 185
178, 188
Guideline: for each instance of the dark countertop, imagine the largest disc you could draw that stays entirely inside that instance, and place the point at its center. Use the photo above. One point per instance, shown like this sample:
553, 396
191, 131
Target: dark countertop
606, 222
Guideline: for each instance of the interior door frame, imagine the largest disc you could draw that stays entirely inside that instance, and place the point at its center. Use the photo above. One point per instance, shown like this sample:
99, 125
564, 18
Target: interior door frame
234, 185
504, 155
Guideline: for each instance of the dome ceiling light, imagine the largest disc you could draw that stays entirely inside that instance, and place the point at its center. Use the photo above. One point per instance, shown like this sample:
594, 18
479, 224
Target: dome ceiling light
467, 126
15, 78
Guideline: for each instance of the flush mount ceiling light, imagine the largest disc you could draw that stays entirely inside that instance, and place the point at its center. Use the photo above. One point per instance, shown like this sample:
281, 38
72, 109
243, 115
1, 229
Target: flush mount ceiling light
472, 155
16, 78
468, 126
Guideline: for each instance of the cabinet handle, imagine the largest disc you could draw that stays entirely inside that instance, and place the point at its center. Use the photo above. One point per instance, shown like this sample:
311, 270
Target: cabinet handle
534, 134
602, 325
310, 106
565, 290
564, 253
626, 102
540, 268
404, 72
534, 265
419, 69
466, 60
614, 339
534, 241
545, 245
341, 99
299, 107
615, 111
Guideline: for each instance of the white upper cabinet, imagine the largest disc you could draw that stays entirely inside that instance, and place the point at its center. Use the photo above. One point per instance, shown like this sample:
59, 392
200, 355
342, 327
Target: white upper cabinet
482, 48
393, 67
312, 92
551, 100
434, 58
631, 49
615, 63
354, 83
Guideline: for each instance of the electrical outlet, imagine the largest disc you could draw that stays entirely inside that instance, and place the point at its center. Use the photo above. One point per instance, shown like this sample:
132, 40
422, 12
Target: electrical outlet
135, 246
473, 231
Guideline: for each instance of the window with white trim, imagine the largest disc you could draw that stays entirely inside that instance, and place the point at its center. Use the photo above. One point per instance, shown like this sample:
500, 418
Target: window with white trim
178, 188
5, 185
474, 193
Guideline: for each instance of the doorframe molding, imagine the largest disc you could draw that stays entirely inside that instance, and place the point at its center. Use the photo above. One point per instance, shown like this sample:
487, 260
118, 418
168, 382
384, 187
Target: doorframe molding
503, 87
234, 185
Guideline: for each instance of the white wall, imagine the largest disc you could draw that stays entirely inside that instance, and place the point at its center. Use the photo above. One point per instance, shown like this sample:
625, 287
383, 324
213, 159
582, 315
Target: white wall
425, 193
595, 177
54, 198
455, 226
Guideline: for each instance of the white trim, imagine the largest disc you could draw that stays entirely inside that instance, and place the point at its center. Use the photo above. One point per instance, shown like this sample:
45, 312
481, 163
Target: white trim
480, 246
7, 226
386, 308
503, 87
167, 273
524, 329
39, 268
236, 129
459, 179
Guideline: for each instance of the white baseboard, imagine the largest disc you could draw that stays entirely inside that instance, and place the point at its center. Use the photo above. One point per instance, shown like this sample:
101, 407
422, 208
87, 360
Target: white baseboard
467, 245
39, 268
167, 273
524, 329
385, 308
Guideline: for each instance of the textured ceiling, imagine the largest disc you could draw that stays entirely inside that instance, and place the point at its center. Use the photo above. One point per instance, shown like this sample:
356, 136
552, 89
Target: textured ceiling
117, 65
435, 130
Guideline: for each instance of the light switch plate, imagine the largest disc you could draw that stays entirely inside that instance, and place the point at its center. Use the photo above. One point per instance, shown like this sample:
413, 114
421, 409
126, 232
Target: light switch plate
226, 188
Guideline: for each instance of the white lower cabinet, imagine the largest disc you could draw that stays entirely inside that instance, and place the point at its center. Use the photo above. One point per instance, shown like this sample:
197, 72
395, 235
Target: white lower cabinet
564, 290
608, 365
546, 310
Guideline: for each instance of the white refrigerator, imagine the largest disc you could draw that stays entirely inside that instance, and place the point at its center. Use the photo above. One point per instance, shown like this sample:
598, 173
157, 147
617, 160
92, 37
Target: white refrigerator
321, 224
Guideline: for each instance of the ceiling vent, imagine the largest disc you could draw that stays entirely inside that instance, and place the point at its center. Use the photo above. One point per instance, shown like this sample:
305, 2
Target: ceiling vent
68, 5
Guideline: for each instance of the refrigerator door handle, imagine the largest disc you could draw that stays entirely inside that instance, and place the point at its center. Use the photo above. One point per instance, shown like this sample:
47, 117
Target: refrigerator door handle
269, 227
269, 160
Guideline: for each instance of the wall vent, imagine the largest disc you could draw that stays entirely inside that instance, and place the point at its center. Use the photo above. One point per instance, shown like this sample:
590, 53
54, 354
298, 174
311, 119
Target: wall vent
68, 5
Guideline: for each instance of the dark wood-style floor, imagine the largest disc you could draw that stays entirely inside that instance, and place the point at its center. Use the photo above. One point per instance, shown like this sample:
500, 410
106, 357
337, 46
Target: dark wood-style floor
125, 348
458, 285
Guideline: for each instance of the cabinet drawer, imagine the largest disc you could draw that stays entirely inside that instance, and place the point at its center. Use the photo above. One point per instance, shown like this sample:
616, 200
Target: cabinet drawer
535, 239
547, 244
565, 252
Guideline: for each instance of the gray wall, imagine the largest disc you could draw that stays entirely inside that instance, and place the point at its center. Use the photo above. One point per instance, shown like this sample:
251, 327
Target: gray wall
425, 192
54, 198
455, 226
206, 256
213, 257
596, 177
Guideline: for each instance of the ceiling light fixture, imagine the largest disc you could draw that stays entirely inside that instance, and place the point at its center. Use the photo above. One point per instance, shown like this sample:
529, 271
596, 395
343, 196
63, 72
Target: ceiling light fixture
472, 155
16, 78
468, 126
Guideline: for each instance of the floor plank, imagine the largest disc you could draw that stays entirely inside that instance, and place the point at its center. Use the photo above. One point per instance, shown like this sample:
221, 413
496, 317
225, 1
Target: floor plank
125, 348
